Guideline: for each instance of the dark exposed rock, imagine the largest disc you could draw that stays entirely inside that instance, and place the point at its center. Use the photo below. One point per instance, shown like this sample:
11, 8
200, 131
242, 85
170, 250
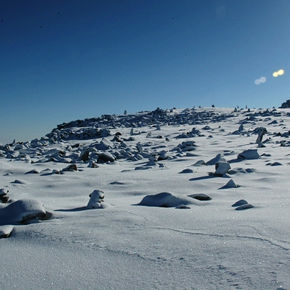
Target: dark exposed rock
249, 154
200, 196
33, 171
186, 146
85, 155
71, 167
163, 199
244, 206
199, 163
186, 170
285, 105
221, 168
239, 203
229, 184
17, 181
105, 157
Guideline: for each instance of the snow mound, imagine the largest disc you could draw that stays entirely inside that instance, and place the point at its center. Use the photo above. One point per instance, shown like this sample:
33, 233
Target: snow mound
164, 199
22, 211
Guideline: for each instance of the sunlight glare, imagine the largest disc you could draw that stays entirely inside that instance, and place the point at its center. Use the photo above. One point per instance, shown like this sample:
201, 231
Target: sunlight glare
278, 73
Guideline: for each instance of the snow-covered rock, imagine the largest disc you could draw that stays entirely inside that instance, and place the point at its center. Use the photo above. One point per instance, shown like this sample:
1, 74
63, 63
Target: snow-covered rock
5, 231
239, 203
249, 154
164, 199
187, 146
96, 199
229, 184
22, 211
105, 157
221, 168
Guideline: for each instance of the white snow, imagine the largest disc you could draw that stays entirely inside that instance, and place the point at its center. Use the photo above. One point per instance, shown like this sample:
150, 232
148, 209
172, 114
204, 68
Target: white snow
209, 245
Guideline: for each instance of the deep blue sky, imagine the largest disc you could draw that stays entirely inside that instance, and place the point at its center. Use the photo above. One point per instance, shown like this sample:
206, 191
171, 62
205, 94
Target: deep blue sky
62, 60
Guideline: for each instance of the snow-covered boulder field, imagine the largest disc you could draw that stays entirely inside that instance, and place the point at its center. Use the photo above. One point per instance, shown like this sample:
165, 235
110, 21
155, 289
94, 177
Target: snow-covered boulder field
195, 198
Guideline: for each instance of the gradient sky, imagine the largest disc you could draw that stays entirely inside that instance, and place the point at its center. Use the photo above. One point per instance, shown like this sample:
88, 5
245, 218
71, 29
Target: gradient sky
62, 60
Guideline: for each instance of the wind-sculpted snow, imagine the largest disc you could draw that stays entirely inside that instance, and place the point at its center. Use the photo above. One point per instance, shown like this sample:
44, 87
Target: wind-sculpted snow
169, 199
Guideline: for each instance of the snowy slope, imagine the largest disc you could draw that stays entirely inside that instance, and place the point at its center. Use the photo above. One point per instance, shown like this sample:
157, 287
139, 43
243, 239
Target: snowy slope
196, 245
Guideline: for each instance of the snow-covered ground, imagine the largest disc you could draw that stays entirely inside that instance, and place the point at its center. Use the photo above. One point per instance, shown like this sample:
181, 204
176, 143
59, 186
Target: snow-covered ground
169, 241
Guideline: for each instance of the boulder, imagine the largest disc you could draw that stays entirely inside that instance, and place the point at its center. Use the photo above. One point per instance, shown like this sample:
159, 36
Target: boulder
239, 203
71, 167
200, 196
85, 155
199, 163
105, 157
221, 168
244, 206
249, 154
229, 184
163, 199
261, 131
162, 155
187, 146
23, 211
33, 171
186, 170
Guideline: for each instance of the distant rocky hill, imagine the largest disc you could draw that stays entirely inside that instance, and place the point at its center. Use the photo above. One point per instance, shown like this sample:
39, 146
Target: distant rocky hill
149, 135
99, 127
285, 105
